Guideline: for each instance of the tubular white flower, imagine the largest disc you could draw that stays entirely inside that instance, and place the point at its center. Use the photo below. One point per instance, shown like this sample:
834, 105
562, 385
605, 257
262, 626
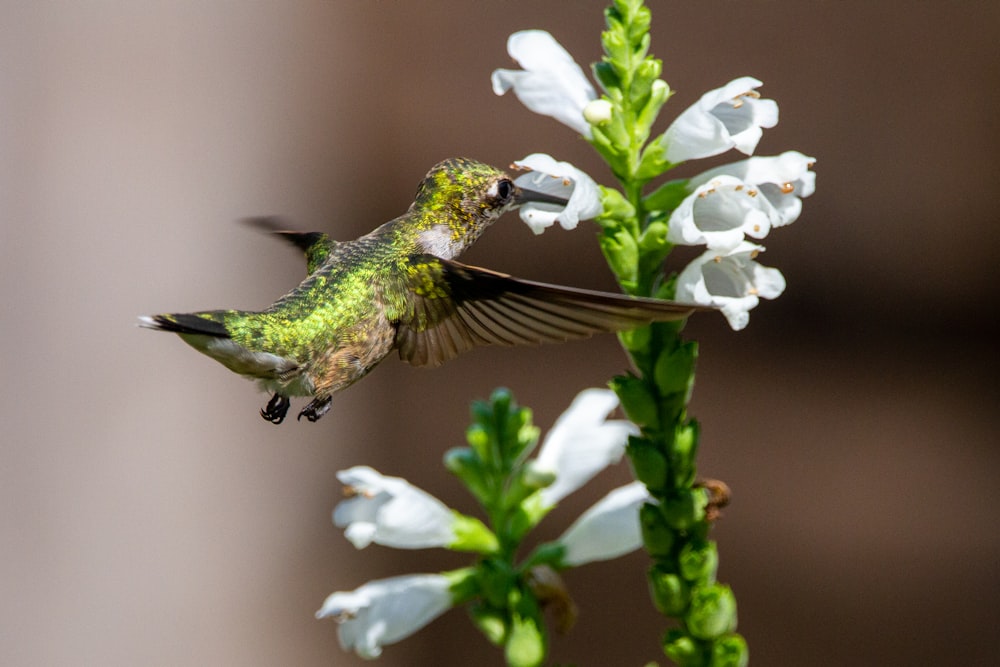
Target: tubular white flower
551, 83
724, 118
719, 213
548, 175
732, 280
392, 512
783, 179
609, 529
386, 610
582, 443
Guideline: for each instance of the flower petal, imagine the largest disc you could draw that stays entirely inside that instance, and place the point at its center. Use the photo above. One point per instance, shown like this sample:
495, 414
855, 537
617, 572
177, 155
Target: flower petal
728, 117
551, 83
719, 213
609, 529
548, 175
730, 280
582, 443
782, 179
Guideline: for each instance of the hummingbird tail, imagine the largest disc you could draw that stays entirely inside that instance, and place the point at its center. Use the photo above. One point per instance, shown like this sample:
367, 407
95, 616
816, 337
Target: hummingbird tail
185, 323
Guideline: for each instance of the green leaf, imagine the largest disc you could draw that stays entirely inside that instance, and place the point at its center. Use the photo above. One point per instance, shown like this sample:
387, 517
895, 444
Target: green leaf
667, 197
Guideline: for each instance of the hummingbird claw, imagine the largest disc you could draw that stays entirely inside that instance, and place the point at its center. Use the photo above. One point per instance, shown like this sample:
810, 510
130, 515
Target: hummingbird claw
316, 409
276, 409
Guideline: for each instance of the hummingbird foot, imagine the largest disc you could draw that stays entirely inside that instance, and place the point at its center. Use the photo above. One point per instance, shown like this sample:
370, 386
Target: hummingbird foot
276, 409
316, 408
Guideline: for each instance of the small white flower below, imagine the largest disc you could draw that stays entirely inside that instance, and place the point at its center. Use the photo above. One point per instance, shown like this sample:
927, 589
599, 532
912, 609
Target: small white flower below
720, 213
385, 611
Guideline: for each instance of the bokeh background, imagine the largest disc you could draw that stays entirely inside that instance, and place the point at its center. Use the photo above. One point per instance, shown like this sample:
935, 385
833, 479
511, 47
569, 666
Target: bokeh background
148, 516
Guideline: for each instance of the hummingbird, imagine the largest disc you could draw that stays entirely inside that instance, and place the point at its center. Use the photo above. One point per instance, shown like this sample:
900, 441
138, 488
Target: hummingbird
400, 288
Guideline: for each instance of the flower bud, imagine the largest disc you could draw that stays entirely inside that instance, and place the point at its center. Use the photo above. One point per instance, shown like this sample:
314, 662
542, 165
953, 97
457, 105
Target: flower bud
598, 111
713, 611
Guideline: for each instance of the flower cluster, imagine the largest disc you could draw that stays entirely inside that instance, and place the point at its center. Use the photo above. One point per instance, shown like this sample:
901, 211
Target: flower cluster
718, 208
516, 493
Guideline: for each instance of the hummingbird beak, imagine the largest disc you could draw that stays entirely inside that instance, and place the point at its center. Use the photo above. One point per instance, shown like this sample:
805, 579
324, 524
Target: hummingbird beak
525, 196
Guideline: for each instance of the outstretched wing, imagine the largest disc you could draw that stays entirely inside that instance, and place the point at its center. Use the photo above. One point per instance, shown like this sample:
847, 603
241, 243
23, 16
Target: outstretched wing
316, 245
457, 307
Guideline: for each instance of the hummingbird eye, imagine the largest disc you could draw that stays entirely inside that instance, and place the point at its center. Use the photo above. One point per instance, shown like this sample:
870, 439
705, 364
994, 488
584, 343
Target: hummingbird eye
505, 191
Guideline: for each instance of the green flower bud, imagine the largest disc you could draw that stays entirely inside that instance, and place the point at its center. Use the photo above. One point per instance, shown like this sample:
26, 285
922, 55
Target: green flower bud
615, 206
620, 250
713, 611
698, 561
683, 650
490, 622
682, 454
730, 651
637, 401
465, 464
525, 643
674, 370
649, 464
656, 534
471, 534
685, 509
670, 593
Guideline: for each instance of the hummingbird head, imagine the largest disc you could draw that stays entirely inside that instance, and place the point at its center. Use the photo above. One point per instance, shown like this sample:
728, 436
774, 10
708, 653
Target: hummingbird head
459, 198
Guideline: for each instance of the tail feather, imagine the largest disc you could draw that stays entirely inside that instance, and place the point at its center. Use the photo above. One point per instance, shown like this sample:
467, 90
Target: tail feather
186, 323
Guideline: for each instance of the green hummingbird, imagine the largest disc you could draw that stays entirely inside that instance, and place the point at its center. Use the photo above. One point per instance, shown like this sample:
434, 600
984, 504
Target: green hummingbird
399, 288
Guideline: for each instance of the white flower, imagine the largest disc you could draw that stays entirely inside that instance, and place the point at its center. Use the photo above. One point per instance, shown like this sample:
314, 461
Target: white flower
609, 529
582, 443
386, 610
730, 280
392, 512
782, 179
551, 82
724, 118
548, 175
719, 213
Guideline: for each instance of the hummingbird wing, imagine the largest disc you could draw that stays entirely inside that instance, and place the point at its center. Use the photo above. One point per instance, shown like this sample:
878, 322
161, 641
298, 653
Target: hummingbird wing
317, 246
457, 307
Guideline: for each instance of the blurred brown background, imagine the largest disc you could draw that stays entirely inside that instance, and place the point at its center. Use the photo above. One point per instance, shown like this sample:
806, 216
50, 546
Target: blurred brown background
148, 516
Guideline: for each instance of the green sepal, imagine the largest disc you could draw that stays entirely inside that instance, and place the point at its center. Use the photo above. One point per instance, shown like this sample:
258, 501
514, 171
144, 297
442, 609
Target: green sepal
637, 401
674, 370
671, 594
491, 622
667, 197
712, 612
685, 509
621, 252
471, 534
649, 463
659, 93
637, 340
645, 74
466, 464
496, 581
606, 75
652, 162
682, 454
478, 436
653, 247
730, 651
525, 645
684, 650
615, 209
548, 553
656, 534
698, 561
526, 641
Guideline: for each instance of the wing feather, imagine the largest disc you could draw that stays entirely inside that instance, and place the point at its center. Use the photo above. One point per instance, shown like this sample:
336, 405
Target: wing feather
458, 307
